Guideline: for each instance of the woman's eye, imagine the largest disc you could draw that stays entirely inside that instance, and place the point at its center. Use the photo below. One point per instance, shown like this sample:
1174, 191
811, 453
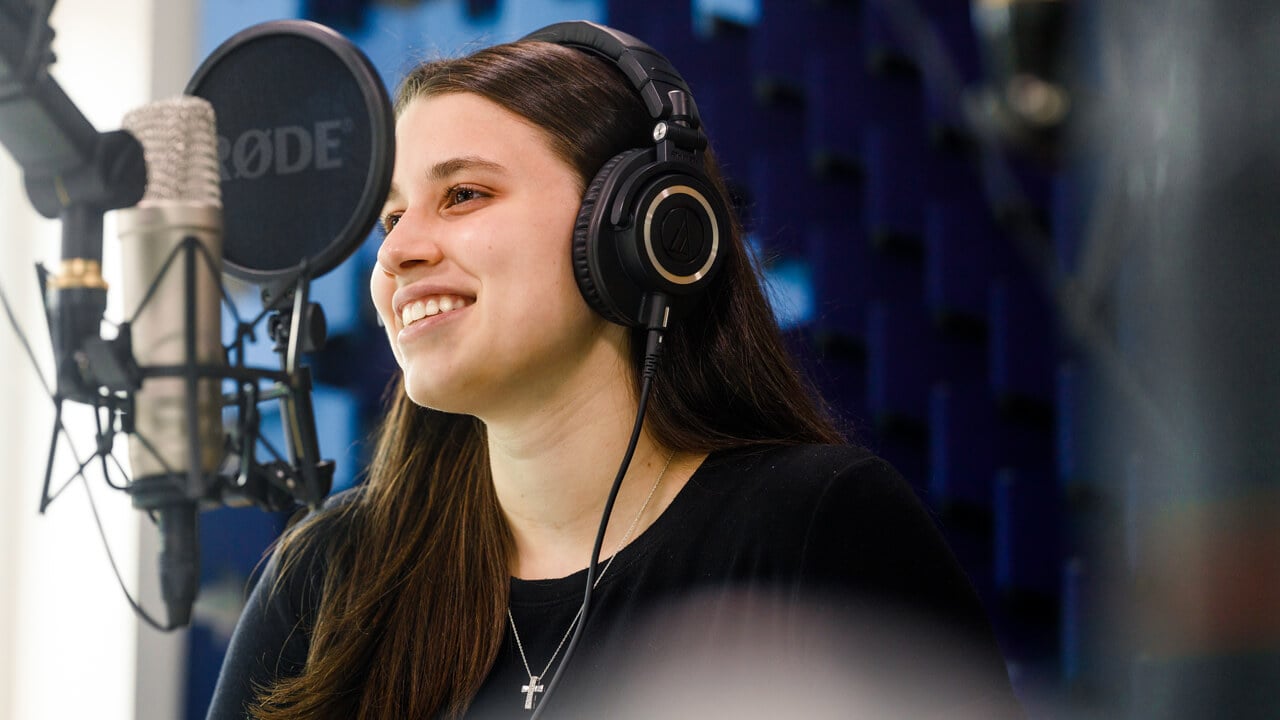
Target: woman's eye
388, 222
459, 194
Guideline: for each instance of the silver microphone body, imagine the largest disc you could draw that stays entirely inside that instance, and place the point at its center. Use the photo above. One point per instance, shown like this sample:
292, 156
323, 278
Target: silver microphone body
183, 199
149, 236
177, 443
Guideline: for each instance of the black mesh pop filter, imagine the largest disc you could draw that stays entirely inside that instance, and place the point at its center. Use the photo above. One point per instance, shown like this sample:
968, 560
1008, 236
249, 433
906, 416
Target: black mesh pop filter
306, 144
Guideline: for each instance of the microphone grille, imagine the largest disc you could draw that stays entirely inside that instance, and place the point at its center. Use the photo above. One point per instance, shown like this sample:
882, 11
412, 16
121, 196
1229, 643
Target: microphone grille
180, 143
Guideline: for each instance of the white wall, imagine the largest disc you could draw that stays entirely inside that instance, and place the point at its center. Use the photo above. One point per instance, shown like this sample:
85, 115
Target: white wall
70, 647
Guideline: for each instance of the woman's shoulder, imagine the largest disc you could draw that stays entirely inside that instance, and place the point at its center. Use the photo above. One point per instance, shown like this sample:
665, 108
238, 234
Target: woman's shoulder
791, 458
334, 516
272, 638
308, 548
798, 503
788, 474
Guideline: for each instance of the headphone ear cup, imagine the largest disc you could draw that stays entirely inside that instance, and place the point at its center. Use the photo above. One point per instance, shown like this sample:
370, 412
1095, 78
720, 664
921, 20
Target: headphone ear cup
594, 283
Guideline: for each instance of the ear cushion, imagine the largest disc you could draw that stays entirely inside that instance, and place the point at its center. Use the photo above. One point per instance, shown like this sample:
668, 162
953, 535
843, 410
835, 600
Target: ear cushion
591, 287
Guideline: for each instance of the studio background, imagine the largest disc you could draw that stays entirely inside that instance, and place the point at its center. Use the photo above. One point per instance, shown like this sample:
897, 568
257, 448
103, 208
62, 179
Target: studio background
1064, 337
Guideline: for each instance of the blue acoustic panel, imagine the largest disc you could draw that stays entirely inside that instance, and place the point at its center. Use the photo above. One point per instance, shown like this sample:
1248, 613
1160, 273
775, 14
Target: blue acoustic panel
1069, 425
779, 214
958, 251
956, 358
340, 292
951, 65
340, 14
890, 38
777, 69
784, 33
1025, 438
517, 19
1020, 345
900, 350
840, 374
667, 25
895, 183
337, 432
219, 21
835, 92
837, 250
721, 84
846, 389
962, 446
232, 542
397, 36
1027, 534
739, 12
896, 140
789, 287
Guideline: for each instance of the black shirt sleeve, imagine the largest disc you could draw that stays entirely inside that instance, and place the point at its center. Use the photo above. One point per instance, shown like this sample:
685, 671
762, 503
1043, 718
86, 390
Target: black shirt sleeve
269, 643
873, 545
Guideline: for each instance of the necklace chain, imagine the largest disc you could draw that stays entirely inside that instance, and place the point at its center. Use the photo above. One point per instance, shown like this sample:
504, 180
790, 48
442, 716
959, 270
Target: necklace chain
534, 686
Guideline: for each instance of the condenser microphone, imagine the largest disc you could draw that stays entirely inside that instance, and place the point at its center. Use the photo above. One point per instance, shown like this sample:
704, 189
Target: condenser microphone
171, 267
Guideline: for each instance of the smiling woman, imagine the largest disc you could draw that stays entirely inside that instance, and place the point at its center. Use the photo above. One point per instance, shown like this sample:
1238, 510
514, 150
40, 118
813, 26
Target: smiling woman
544, 239
482, 211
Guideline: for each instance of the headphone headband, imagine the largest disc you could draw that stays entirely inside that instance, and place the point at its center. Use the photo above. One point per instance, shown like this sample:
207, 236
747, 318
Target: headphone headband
650, 73
649, 236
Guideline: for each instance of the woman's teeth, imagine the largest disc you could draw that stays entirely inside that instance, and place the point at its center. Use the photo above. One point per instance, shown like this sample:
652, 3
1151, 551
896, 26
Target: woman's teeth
419, 309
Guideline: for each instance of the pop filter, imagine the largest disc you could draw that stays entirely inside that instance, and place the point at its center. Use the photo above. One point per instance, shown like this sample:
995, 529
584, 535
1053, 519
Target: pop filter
305, 143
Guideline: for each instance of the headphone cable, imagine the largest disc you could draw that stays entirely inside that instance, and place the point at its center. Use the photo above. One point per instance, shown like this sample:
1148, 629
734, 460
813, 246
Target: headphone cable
656, 312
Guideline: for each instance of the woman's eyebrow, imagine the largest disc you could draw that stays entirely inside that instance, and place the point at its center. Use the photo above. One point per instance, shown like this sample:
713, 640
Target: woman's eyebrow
445, 169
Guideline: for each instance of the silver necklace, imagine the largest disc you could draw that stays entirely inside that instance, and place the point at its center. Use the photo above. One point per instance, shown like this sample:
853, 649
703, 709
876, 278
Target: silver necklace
535, 686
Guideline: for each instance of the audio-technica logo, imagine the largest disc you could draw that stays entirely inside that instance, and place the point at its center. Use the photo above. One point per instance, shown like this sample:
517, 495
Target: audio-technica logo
284, 150
682, 235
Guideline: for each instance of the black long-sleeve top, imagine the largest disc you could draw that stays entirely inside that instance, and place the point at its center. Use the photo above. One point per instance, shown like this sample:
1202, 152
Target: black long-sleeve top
802, 581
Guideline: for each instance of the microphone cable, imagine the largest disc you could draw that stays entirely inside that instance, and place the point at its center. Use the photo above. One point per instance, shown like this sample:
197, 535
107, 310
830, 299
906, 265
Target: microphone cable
657, 310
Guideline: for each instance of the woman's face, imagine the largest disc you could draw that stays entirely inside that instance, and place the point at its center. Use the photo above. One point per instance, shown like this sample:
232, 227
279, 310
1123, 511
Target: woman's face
474, 281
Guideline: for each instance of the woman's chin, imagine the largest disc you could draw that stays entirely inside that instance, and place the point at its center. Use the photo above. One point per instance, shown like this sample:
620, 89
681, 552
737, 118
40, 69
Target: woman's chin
436, 393
435, 399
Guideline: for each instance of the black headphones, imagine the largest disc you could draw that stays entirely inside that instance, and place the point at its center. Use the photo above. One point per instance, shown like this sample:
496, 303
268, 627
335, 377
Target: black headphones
652, 224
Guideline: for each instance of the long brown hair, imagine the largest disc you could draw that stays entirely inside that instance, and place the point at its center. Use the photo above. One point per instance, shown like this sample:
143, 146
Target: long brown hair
414, 588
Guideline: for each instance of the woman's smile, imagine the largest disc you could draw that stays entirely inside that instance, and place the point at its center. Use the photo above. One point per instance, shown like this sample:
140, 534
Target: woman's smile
431, 307
421, 318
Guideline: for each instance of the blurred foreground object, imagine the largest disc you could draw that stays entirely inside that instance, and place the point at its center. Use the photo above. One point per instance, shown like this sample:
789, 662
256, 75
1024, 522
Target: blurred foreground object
1025, 99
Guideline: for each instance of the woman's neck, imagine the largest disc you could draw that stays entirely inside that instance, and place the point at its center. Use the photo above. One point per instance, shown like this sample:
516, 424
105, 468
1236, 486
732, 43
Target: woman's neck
553, 469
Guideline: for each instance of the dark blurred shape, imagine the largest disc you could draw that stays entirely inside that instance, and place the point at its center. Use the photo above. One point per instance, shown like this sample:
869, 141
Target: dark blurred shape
748, 655
1180, 140
481, 8
66, 163
1025, 98
344, 14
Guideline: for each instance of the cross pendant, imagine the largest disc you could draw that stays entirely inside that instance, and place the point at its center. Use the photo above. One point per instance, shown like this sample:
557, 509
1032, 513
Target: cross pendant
533, 687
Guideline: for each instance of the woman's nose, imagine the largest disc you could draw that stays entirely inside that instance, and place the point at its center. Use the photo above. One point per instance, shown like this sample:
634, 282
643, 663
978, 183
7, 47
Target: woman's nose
407, 246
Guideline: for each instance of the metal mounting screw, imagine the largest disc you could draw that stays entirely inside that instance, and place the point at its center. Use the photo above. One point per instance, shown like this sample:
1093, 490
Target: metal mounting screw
659, 132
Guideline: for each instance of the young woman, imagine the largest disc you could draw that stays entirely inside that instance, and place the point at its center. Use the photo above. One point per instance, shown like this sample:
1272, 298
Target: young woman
744, 530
